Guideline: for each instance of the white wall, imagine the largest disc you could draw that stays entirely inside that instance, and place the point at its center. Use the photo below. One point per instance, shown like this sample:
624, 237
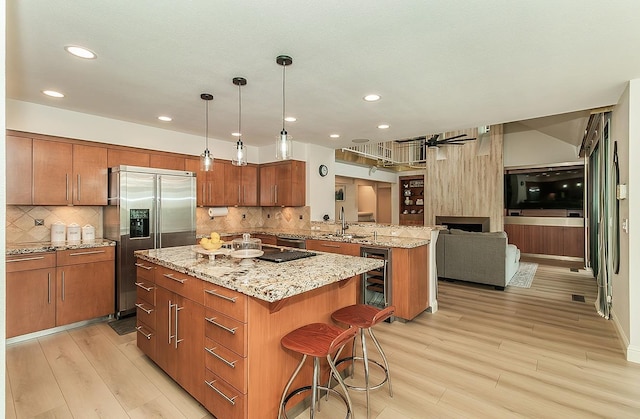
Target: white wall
31, 117
3, 215
526, 147
633, 352
320, 190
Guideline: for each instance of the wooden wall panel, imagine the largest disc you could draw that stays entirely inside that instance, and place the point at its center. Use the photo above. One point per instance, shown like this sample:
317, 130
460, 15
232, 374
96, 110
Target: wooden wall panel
466, 184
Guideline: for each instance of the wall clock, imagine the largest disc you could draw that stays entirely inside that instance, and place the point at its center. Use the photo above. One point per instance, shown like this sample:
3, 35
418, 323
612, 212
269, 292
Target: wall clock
323, 170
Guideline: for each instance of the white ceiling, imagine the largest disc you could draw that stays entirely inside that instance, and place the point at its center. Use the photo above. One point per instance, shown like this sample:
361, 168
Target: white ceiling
438, 65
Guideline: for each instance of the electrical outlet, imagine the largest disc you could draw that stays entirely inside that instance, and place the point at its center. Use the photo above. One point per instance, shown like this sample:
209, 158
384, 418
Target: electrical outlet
244, 216
268, 215
39, 222
301, 217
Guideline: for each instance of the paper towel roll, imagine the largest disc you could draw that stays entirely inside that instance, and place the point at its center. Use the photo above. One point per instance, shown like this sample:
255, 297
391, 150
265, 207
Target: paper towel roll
218, 211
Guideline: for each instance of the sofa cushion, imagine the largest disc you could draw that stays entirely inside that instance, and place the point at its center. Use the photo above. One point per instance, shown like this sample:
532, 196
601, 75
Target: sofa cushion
485, 234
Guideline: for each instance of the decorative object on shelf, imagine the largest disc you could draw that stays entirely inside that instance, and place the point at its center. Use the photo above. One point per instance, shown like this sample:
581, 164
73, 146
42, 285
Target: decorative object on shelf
323, 170
339, 193
240, 158
206, 160
416, 183
407, 192
283, 146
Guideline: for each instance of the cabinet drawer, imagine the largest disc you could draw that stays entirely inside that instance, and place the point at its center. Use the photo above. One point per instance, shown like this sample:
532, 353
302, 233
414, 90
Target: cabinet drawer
230, 303
227, 364
146, 313
351, 249
146, 340
29, 261
145, 270
223, 400
182, 284
146, 291
227, 331
78, 256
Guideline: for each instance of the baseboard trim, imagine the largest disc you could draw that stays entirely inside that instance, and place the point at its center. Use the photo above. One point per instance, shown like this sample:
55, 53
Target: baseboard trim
632, 353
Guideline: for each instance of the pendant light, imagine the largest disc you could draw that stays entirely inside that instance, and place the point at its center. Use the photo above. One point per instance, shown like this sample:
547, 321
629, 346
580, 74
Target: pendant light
240, 158
283, 144
206, 160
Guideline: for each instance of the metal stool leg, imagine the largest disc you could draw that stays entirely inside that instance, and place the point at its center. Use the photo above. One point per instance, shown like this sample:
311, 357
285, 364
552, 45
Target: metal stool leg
346, 397
365, 362
281, 411
384, 359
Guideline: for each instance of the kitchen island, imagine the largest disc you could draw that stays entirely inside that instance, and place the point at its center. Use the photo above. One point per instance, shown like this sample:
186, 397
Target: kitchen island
215, 326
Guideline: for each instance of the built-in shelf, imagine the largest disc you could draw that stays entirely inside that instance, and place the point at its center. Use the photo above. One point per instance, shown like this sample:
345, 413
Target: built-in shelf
412, 200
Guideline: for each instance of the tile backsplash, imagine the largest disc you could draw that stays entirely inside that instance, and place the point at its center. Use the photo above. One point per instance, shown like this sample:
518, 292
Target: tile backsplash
21, 221
239, 218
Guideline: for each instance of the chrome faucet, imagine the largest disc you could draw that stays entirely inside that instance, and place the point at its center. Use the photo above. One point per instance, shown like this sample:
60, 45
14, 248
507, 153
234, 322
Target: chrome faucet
344, 222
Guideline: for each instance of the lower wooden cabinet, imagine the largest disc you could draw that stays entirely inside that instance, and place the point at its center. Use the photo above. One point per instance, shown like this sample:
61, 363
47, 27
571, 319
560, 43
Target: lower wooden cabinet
45, 290
547, 240
31, 293
343, 248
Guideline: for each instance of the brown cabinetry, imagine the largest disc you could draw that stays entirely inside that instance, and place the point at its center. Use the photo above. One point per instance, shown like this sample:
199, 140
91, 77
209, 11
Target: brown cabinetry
546, 239
411, 200
31, 293
241, 185
117, 157
283, 184
19, 170
343, 248
85, 284
410, 281
210, 185
66, 174
165, 161
45, 290
180, 329
146, 308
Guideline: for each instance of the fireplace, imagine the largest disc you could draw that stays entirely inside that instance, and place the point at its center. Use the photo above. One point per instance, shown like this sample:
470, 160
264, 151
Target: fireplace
464, 223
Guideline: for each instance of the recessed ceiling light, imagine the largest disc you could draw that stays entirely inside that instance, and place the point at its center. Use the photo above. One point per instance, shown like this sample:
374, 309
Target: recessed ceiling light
165, 118
334, 136
80, 52
236, 134
371, 98
52, 93
290, 119
383, 126
360, 140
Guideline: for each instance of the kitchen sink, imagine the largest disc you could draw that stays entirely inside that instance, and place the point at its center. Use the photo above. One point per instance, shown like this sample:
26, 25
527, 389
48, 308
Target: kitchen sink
348, 236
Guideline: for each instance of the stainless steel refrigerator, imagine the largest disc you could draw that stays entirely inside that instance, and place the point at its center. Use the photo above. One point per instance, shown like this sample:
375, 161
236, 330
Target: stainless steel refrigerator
147, 209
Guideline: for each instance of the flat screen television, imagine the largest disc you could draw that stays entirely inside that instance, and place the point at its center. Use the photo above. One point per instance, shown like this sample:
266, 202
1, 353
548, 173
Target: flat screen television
544, 188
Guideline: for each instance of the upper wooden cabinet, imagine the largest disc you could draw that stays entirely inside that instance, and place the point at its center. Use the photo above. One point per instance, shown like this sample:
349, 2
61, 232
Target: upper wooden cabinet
163, 161
19, 170
241, 185
116, 157
210, 185
283, 184
69, 174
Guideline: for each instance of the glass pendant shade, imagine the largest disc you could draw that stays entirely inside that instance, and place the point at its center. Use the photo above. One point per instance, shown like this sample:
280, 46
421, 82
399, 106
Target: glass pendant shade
240, 158
284, 149
206, 160
284, 143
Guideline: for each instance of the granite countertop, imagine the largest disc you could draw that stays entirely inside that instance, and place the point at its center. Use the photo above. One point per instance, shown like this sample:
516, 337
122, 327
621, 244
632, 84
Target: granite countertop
365, 239
264, 280
39, 247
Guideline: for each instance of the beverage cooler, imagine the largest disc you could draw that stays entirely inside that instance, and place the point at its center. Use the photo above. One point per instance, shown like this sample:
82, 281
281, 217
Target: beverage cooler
376, 283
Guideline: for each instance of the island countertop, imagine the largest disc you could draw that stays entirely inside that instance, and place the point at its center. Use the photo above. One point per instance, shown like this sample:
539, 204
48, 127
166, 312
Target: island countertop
267, 281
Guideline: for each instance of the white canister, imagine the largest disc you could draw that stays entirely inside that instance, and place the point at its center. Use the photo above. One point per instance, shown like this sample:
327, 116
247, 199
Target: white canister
73, 233
88, 233
58, 232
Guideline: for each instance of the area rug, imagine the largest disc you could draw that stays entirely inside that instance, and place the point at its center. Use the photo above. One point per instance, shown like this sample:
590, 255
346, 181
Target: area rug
124, 325
524, 276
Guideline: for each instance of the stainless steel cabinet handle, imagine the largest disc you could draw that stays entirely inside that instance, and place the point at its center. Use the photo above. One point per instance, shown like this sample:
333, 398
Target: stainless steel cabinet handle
221, 326
177, 341
231, 364
141, 285
140, 265
78, 187
170, 276
230, 400
224, 297
239, 195
49, 288
94, 252
276, 193
330, 245
146, 310
62, 285
169, 323
25, 259
148, 336
66, 182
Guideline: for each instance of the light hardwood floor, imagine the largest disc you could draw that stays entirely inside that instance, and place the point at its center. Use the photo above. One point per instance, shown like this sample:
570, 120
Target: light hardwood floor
518, 353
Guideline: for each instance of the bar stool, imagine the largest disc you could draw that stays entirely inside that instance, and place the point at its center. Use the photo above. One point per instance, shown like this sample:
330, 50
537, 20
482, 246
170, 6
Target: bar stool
316, 340
364, 316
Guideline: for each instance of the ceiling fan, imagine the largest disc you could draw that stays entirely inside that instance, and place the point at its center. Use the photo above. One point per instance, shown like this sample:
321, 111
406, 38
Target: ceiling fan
434, 140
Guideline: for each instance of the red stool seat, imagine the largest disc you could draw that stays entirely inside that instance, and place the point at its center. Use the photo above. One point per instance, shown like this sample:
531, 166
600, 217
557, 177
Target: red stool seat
363, 316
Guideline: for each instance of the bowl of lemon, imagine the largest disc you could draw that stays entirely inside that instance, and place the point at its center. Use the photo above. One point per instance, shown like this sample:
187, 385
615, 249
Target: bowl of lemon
211, 246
